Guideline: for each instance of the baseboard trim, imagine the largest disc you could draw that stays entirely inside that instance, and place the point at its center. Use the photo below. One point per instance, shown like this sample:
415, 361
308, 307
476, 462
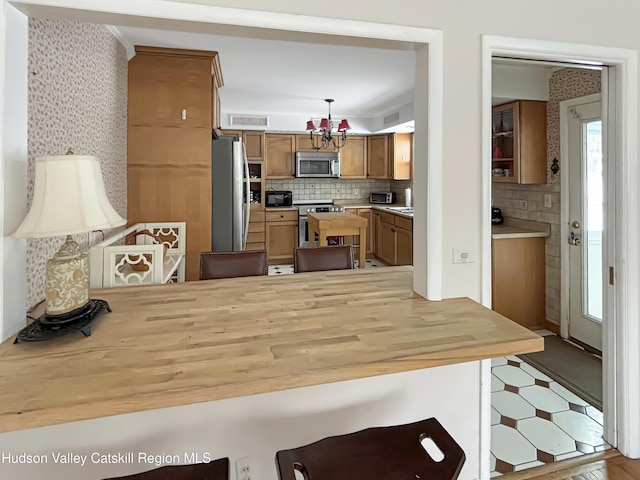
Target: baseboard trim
552, 327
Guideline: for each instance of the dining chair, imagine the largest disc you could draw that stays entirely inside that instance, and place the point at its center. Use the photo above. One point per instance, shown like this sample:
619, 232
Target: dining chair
214, 470
339, 257
247, 263
398, 452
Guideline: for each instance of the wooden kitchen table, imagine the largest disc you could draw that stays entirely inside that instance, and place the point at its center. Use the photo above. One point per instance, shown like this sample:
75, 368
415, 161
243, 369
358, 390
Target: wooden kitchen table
243, 367
338, 224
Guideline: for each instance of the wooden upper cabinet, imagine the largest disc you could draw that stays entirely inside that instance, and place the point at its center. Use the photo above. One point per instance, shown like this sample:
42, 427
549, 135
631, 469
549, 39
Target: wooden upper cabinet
353, 158
304, 144
280, 151
519, 142
172, 88
401, 149
254, 144
378, 156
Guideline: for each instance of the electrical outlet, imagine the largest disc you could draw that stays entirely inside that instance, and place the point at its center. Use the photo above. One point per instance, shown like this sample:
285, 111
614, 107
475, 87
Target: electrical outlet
547, 200
464, 255
356, 191
247, 469
523, 204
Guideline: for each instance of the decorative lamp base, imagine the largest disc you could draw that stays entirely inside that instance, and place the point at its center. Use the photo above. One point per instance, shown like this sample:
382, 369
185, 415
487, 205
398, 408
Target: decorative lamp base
48, 327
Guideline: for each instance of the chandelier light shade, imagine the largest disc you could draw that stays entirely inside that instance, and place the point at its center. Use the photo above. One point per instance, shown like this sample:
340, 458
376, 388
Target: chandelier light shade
321, 136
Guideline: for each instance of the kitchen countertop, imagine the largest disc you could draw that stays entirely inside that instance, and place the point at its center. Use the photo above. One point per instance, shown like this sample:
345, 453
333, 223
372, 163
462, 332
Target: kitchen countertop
280, 209
185, 343
364, 203
517, 228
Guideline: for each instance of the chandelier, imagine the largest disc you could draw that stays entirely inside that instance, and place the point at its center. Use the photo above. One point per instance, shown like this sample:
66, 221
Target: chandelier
321, 136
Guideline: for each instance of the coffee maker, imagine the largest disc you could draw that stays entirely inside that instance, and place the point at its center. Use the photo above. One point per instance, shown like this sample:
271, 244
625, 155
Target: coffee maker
496, 216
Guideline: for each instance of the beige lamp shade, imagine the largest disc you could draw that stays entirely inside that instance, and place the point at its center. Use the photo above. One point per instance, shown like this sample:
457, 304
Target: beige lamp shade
69, 197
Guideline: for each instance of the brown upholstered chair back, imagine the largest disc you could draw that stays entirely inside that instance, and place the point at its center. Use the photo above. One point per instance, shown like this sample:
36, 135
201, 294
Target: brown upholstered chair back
322, 258
233, 264
214, 470
376, 453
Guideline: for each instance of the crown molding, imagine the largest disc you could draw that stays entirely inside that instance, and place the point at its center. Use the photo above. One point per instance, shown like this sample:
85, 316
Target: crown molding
131, 52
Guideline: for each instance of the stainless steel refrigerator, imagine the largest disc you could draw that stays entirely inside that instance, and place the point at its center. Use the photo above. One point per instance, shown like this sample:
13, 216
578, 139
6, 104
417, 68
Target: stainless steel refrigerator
230, 190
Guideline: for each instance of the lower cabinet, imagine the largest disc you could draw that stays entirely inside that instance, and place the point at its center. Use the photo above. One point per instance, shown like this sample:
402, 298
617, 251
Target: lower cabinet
386, 240
281, 236
394, 239
518, 279
404, 246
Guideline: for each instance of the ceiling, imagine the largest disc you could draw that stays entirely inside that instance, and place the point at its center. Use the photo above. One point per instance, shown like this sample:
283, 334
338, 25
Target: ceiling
267, 76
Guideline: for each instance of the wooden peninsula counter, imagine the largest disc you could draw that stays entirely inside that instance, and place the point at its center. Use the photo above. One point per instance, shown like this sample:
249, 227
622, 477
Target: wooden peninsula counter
270, 348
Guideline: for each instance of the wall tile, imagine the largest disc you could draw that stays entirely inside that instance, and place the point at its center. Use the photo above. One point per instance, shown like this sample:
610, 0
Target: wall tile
329, 188
78, 99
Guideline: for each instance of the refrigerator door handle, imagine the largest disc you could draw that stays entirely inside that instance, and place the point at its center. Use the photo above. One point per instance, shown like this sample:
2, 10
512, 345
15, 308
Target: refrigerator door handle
247, 198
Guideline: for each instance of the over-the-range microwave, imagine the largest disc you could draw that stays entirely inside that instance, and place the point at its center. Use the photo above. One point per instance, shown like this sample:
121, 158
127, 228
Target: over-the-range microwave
318, 164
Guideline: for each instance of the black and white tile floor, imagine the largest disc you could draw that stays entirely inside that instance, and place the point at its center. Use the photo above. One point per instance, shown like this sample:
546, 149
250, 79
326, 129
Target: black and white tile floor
535, 420
286, 269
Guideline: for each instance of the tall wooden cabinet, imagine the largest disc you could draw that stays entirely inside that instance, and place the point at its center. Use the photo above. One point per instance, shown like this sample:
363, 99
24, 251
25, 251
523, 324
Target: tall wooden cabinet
171, 120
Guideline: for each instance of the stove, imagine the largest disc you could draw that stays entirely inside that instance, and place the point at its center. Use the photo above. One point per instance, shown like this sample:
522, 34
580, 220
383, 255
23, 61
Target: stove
317, 206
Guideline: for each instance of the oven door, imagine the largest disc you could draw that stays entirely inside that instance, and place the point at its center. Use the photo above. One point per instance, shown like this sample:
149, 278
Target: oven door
303, 231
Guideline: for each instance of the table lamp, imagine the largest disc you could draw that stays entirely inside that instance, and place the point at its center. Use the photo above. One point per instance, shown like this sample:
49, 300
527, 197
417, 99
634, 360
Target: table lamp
69, 198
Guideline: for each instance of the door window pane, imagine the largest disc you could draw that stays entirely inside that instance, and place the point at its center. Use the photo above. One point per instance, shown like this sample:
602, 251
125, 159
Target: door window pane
594, 207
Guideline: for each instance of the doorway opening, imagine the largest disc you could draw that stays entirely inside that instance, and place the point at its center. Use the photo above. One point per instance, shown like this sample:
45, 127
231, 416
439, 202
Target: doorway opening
547, 406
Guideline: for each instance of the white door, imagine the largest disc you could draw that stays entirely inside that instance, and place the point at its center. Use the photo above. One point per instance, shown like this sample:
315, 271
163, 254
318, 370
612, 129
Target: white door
586, 222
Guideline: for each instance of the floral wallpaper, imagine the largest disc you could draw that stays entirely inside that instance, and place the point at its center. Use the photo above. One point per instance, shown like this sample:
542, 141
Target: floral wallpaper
563, 85
77, 99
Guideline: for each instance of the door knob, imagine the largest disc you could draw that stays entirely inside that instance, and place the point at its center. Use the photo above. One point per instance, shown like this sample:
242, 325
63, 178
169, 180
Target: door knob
575, 224
574, 239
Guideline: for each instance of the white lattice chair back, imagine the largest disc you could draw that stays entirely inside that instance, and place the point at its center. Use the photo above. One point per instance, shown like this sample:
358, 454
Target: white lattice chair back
144, 263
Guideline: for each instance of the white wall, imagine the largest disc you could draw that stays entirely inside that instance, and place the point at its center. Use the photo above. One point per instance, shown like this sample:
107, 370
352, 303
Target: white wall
297, 123
260, 425
13, 169
519, 82
406, 113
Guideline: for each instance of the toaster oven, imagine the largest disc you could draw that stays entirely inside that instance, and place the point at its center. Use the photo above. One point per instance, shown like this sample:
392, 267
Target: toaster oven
382, 197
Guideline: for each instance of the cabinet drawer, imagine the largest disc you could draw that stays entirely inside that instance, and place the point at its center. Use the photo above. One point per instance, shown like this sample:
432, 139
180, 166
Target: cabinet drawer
405, 223
256, 215
256, 237
282, 216
255, 246
387, 218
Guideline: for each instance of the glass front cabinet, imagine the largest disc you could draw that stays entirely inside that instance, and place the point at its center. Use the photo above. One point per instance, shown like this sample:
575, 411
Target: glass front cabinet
519, 142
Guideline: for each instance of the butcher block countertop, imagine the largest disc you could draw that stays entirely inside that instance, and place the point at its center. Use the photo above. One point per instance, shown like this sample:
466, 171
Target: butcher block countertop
184, 343
516, 228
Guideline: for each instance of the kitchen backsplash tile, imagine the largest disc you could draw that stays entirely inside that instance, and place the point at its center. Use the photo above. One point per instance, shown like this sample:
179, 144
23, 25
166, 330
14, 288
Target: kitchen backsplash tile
398, 187
329, 188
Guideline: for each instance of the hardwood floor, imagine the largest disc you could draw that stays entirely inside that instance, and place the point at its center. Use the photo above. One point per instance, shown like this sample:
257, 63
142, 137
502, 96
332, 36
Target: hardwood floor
609, 465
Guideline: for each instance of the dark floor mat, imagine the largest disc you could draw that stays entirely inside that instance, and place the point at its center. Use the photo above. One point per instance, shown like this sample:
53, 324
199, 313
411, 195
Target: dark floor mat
573, 368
